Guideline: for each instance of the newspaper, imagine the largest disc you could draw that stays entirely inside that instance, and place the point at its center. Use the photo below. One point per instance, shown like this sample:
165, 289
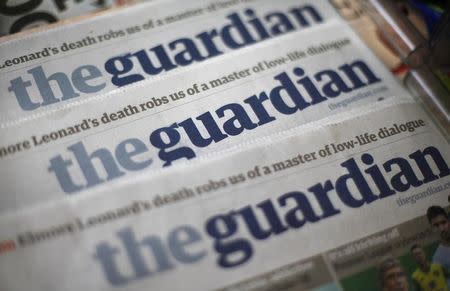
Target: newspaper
316, 207
272, 86
69, 63
17, 15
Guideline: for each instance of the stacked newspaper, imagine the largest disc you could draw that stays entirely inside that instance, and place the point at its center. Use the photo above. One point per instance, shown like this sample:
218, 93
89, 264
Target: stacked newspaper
260, 141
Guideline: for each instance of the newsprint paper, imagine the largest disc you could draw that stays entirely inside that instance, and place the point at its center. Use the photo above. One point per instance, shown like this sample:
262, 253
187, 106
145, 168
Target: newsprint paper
271, 86
19, 15
68, 63
326, 207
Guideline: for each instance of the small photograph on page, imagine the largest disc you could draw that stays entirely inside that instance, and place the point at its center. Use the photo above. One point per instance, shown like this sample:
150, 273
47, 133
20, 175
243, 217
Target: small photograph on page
409, 257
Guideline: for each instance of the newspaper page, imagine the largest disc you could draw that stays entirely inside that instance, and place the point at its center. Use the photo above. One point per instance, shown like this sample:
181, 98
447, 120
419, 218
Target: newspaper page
272, 86
69, 63
317, 207
17, 15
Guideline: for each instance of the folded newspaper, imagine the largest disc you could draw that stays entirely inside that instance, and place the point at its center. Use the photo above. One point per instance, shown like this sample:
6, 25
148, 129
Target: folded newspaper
327, 206
297, 162
271, 86
69, 63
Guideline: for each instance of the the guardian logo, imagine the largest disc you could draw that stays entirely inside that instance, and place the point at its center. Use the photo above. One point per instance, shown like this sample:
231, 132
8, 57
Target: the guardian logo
240, 30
